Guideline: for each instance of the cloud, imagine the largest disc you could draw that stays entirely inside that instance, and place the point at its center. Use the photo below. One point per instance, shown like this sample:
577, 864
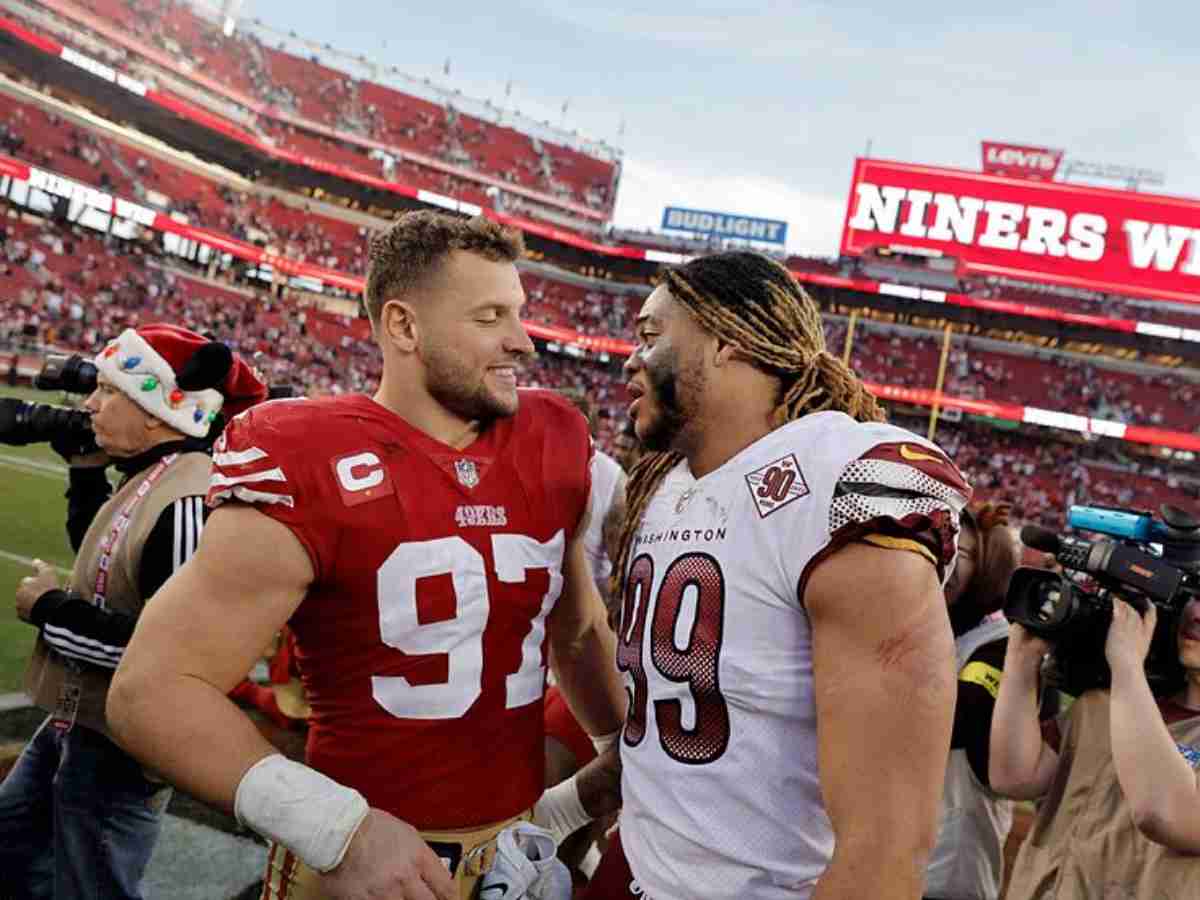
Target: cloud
814, 219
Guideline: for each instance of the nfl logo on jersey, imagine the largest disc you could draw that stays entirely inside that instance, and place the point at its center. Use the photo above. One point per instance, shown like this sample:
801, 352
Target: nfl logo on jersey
468, 475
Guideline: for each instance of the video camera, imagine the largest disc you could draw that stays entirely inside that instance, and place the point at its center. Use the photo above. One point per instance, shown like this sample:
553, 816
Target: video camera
23, 423
69, 430
1142, 559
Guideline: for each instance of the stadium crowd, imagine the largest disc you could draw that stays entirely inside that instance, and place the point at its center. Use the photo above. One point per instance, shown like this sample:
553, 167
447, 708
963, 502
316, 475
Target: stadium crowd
68, 288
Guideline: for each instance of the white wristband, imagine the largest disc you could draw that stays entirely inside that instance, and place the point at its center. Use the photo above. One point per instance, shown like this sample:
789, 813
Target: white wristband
560, 811
603, 741
298, 807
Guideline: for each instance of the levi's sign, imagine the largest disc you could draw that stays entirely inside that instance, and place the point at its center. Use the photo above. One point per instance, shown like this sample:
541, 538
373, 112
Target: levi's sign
1096, 238
1018, 161
724, 225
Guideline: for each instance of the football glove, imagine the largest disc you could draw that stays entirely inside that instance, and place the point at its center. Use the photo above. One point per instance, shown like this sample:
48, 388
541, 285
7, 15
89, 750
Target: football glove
525, 867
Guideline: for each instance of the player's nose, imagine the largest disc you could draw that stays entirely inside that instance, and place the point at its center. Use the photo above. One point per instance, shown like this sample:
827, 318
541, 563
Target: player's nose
518, 341
632, 363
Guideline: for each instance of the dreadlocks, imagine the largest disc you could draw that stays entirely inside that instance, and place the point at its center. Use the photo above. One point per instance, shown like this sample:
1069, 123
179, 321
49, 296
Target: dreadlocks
753, 303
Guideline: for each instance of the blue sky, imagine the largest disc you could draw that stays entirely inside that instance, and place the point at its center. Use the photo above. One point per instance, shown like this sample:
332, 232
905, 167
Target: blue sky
761, 108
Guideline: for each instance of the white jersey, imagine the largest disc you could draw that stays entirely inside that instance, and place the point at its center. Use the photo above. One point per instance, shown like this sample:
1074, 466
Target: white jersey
721, 791
606, 472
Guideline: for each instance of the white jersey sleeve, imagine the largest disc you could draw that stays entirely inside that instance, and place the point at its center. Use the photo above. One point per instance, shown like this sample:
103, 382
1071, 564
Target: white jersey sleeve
886, 486
605, 475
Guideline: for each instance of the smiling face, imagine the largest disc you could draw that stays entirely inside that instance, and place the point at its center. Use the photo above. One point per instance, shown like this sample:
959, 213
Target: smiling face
666, 373
470, 339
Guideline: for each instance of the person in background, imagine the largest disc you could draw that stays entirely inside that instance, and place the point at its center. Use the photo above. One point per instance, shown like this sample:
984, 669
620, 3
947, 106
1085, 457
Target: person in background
607, 501
967, 862
78, 816
627, 449
1116, 776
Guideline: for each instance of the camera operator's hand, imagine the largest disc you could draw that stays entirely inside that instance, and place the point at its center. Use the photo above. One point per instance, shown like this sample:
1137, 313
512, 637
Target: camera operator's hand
1129, 635
79, 451
1025, 648
43, 579
97, 459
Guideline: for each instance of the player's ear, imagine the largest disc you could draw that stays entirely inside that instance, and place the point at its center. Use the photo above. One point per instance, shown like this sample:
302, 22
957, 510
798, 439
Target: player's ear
724, 353
398, 325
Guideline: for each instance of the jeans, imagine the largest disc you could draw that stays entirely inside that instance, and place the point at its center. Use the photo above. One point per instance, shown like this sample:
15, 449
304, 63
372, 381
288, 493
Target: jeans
78, 819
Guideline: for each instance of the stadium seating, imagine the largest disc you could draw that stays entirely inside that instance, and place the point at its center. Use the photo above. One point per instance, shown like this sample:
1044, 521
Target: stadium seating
72, 289
1112, 306
326, 96
1053, 382
1043, 477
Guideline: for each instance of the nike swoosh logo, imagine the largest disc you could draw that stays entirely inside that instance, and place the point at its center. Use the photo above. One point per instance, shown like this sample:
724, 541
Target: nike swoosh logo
913, 456
501, 888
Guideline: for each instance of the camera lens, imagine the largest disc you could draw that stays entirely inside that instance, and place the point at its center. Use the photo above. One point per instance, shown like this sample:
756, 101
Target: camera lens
72, 374
1047, 610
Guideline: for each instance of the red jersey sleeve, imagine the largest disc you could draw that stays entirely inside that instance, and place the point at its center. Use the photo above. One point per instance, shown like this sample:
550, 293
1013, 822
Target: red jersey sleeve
259, 460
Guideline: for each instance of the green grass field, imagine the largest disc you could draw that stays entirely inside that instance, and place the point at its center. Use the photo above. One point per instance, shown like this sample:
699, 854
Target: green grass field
32, 524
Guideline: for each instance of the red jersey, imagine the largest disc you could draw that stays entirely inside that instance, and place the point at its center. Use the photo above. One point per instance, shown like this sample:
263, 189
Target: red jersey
421, 641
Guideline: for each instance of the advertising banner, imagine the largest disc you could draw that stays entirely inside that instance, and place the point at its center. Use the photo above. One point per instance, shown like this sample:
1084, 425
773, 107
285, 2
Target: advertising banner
1076, 235
724, 225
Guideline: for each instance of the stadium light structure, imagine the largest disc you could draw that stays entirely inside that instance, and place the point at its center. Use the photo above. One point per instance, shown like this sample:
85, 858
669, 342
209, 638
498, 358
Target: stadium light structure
1133, 176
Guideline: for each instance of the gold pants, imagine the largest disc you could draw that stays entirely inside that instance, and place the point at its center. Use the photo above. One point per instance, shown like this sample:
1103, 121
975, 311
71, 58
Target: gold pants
467, 853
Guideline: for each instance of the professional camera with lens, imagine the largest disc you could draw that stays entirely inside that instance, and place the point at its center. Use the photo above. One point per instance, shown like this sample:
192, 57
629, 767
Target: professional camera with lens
23, 423
70, 430
1140, 558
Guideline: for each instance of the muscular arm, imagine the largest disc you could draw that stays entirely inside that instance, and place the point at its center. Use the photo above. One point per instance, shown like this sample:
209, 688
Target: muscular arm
883, 661
196, 639
1021, 764
583, 647
1158, 782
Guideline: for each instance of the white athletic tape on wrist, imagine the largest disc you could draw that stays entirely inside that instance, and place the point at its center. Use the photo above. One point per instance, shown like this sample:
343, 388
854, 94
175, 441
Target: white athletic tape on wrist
298, 807
603, 742
560, 811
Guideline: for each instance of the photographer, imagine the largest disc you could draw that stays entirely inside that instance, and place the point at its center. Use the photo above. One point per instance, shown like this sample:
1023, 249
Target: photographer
78, 817
968, 860
1116, 775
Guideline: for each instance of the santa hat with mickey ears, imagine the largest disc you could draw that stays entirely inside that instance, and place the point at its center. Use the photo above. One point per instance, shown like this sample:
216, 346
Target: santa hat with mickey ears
179, 377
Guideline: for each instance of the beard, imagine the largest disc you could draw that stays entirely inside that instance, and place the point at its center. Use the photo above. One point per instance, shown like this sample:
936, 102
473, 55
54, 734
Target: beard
663, 432
460, 389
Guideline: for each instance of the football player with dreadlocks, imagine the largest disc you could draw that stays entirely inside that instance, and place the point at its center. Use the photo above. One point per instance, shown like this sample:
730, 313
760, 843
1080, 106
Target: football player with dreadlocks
783, 637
